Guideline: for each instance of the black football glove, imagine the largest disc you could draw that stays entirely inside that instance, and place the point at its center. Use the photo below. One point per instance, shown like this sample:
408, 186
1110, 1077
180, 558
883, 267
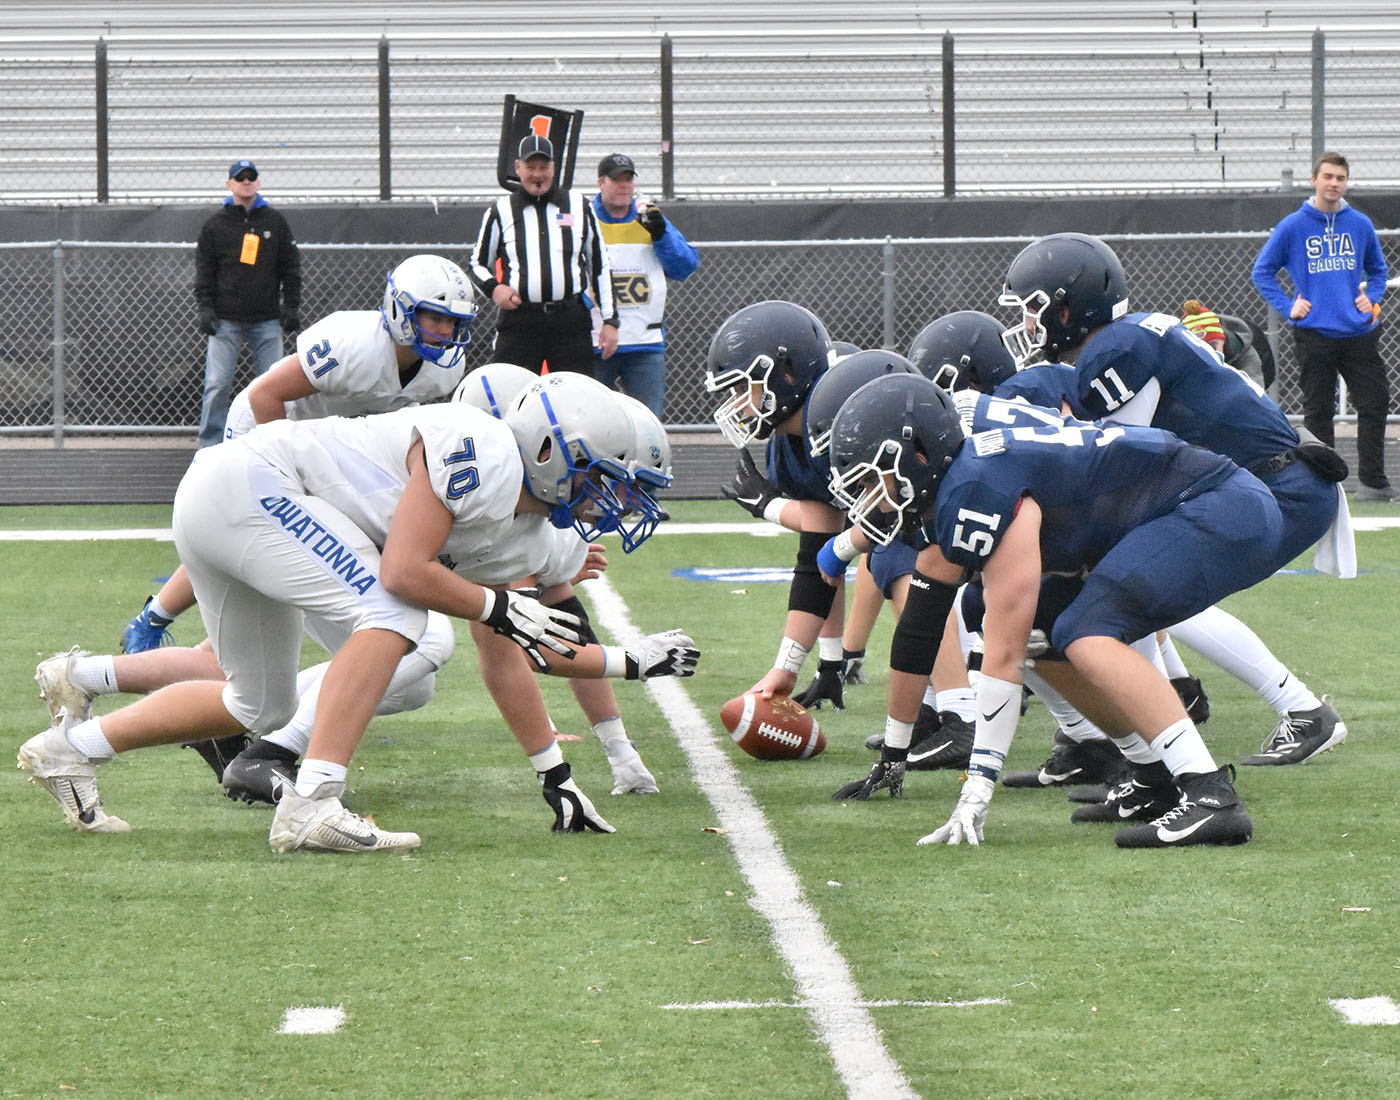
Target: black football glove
887, 774
651, 220
208, 321
749, 489
573, 812
824, 688
853, 666
291, 320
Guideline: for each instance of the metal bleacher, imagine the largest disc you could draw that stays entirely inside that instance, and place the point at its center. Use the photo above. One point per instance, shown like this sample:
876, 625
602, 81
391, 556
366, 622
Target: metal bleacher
790, 97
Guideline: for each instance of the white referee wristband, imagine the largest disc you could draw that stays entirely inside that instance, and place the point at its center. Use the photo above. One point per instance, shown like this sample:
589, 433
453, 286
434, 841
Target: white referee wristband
791, 655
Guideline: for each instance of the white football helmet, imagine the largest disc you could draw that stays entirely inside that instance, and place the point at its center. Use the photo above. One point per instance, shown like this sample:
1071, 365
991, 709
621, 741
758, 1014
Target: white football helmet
436, 285
577, 446
651, 470
494, 387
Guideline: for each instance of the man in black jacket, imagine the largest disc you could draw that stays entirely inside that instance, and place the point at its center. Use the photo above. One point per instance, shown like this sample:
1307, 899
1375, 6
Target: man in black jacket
247, 287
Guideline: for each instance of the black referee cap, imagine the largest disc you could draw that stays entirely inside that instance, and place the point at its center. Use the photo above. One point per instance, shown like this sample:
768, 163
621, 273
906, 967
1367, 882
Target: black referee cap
533, 146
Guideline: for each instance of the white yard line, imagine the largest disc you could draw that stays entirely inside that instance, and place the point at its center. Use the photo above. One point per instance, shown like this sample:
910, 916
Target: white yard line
825, 987
312, 1020
756, 528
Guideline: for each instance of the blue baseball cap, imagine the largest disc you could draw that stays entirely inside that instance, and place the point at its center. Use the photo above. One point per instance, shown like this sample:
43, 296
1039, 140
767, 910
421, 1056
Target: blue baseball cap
243, 166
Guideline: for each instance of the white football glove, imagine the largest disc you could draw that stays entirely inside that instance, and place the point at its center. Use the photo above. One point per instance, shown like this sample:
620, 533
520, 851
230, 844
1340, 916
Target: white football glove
669, 653
529, 624
630, 775
969, 815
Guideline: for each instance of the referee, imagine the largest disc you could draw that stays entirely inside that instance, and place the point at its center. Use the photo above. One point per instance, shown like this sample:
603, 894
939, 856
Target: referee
538, 253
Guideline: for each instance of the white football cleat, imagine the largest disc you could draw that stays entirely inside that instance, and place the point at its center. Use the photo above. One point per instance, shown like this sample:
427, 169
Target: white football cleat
54, 764
60, 692
322, 824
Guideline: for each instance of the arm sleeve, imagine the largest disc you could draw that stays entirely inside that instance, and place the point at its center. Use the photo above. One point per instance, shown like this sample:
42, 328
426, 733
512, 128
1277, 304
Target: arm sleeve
599, 270
1374, 268
677, 255
488, 239
206, 269
1265, 273
289, 269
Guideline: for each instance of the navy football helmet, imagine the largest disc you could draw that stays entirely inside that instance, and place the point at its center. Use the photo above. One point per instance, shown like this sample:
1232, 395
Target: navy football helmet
963, 351
778, 347
892, 442
1071, 273
842, 380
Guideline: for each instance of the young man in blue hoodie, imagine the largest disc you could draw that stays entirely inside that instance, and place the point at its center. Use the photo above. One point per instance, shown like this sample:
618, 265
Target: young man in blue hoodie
1333, 259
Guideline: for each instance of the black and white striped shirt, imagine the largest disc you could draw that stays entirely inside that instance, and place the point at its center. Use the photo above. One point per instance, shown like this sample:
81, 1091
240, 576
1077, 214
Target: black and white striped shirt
549, 249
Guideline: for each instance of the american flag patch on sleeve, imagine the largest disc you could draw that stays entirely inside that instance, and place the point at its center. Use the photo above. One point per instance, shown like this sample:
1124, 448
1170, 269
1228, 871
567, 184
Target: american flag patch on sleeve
564, 219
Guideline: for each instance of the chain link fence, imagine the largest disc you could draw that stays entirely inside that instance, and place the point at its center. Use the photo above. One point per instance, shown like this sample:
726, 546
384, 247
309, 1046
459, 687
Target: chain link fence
101, 339
770, 116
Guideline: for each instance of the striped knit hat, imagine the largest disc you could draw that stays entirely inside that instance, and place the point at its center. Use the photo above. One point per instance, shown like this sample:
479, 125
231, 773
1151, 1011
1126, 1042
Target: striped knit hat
1202, 321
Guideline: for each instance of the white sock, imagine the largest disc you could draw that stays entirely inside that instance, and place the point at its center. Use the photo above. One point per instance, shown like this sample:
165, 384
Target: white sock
315, 772
959, 701
1136, 749
88, 738
1075, 725
1231, 646
1176, 667
930, 697
155, 608
1182, 750
95, 675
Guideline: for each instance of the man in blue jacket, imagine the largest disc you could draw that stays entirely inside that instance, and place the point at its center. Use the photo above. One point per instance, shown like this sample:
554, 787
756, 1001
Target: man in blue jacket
644, 250
1333, 259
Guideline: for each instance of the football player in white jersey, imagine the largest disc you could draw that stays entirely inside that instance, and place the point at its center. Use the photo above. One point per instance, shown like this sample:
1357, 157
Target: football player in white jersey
407, 352
347, 519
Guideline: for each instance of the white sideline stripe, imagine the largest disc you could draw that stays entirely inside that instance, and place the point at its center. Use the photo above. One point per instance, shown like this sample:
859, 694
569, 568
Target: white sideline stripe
1367, 1011
158, 534
823, 981
712, 1006
759, 529
312, 1020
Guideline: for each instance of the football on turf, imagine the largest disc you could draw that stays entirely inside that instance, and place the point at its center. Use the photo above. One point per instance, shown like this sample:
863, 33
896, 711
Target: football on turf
772, 729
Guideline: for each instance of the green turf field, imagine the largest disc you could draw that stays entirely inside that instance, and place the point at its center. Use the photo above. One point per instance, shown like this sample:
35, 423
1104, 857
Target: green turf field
670, 959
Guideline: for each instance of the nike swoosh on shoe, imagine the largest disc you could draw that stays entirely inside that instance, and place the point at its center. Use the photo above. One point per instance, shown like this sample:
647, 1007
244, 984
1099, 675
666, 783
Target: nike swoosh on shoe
915, 757
86, 814
1171, 836
1049, 779
364, 841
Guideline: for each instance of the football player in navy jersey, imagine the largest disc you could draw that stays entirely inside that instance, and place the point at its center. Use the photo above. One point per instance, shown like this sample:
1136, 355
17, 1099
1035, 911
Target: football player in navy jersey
1159, 530
765, 359
1148, 368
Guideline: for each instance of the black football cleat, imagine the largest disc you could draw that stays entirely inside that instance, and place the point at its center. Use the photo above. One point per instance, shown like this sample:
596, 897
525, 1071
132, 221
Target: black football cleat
1210, 812
218, 752
1088, 762
944, 744
259, 774
1301, 735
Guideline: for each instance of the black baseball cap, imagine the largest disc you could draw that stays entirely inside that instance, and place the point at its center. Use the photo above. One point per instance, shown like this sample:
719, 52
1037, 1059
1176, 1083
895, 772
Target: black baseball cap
242, 166
614, 164
534, 146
